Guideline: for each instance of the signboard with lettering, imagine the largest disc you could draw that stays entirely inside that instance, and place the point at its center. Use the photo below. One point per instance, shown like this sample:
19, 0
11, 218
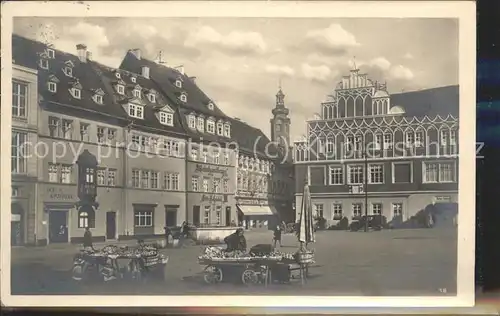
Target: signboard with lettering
211, 169
61, 194
252, 202
212, 197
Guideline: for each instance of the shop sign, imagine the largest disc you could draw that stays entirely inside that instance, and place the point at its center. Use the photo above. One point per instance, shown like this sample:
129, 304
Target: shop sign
442, 199
212, 197
211, 169
252, 202
60, 194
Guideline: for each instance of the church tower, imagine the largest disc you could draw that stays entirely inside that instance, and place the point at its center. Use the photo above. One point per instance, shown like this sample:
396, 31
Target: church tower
280, 123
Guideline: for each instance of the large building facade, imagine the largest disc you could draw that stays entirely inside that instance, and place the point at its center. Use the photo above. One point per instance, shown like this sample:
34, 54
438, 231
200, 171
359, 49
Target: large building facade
165, 152
377, 153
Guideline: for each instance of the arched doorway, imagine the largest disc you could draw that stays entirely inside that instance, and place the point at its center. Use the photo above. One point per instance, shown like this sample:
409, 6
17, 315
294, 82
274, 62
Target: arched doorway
16, 225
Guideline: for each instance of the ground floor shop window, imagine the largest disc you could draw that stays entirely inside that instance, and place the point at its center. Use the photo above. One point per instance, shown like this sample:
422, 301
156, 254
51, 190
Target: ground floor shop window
206, 215
357, 209
377, 209
143, 219
337, 211
218, 215
397, 209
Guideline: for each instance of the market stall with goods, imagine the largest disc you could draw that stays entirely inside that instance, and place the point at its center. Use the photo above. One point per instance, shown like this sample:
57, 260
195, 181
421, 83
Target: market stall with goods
103, 264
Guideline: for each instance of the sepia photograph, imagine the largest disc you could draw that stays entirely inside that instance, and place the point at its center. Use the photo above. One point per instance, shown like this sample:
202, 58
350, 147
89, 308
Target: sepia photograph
201, 150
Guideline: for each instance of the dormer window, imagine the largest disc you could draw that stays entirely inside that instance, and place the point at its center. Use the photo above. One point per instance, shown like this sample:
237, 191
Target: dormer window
227, 130
117, 75
44, 63
210, 106
50, 53
77, 93
133, 79
152, 97
211, 126
98, 99
178, 83
52, 86
220, 128
120, 89
167, 118
200, 124
137, 93
68, 71
191, 121
136, 111
183, 98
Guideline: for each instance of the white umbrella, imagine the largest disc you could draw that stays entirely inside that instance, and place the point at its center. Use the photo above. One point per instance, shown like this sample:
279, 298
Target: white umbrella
306, 222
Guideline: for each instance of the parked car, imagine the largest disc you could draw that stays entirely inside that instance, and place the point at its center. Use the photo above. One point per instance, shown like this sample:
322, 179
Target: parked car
374, 222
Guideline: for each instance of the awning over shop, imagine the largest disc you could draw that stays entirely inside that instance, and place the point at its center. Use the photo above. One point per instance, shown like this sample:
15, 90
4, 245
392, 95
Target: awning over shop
274, 210
256, 210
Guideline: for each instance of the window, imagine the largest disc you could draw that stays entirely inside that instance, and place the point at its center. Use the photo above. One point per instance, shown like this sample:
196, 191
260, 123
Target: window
453, 138
67, 129
419, 139
136, 111
111, 177
211, 126
101, 176
194, 154
54, 127
83, 219
227, 130
50, 53
98, 99
14, 192
53, 173
431, 171
210, 106
19, 99
402, 172
205, 184
68, 71
171, 181
136, 178
167, 118
205, 156
84, 132
117, 75
216, 158
194, 184
387, 141
152, 98
319, 210
378, 142
52, 86
101, 133
111, 135
200, 124
218, 215
226, 159
154, 179
376, 174
206, 215
330, 146
357, 209
120, 89
336, 175
191, 121
397, 209
44, 63
216, 185
358, 143
183, 98
226, 185
77, 93
446, 172
143, 219
377, 208
145, 179
178, 83
443, 139
18, 154
337, 211
410, 139
137, 93
133, 79
355, 174
220, 129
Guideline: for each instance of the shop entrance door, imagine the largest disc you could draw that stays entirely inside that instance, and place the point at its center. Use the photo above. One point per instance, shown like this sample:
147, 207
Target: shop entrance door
228, 216
58, 226
196, 215
110, 225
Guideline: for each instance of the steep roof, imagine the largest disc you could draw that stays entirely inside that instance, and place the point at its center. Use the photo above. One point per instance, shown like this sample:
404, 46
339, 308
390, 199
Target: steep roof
27, 53
253, 141
430, 102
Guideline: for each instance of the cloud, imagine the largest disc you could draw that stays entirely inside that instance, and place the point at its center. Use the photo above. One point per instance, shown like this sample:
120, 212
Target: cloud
319, 73
234, 42
280, 70
334, 39
401, 72
381, 63
408, 56
87, 33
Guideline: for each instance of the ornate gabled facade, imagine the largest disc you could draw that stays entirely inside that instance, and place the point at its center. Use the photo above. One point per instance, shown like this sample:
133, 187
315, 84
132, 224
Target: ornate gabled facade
384, 154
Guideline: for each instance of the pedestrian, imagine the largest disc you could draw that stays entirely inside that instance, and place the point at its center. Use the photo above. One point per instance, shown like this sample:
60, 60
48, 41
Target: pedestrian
168, 236
183, 233
87, 240
236, 241
277, 235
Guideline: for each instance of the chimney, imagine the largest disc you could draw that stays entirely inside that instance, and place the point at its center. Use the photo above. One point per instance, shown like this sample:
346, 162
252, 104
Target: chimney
89, 56
145, 71
136, 52
82, 52
180, 69
193, 79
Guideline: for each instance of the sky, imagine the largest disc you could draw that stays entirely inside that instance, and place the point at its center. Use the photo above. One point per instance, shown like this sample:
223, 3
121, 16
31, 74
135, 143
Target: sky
240, 62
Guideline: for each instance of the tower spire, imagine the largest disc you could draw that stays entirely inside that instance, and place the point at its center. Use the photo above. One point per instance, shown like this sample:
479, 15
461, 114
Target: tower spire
354, 63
